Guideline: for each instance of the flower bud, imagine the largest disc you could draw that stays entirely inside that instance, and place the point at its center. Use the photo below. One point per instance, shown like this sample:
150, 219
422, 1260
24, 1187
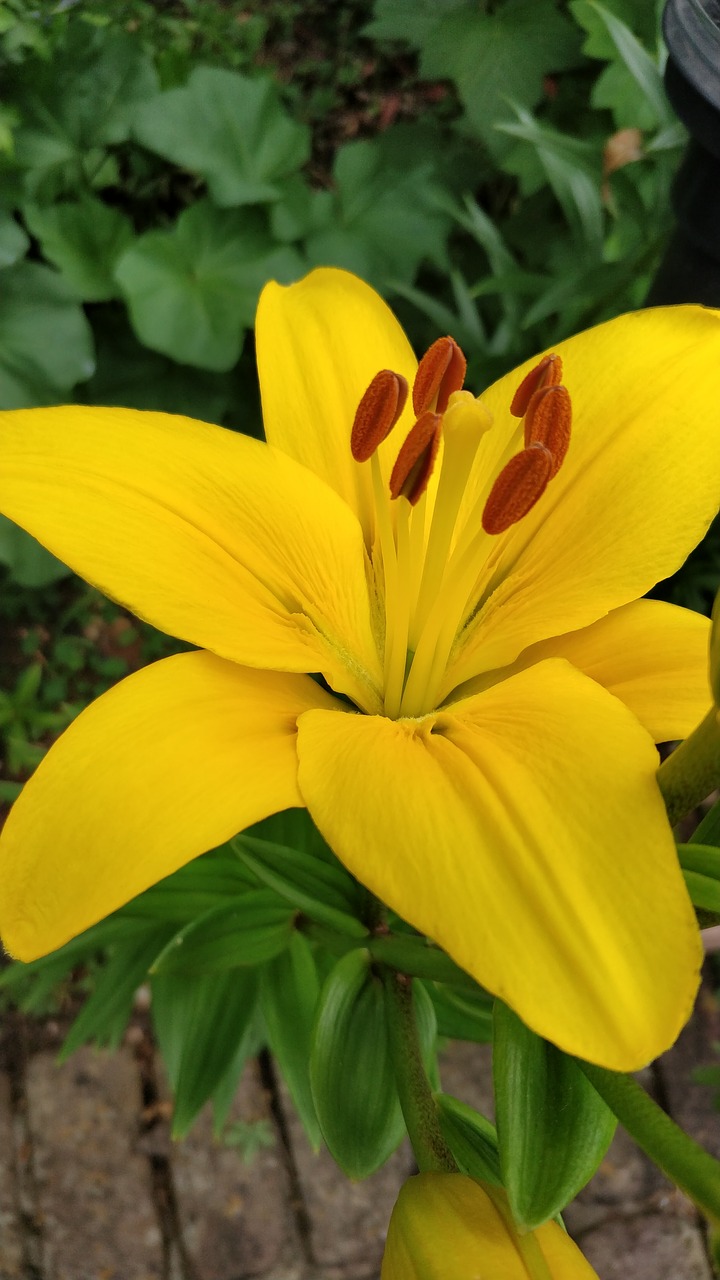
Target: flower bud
448, 1225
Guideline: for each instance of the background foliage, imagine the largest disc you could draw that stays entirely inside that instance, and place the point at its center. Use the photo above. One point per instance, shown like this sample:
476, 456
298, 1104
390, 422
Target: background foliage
499, 171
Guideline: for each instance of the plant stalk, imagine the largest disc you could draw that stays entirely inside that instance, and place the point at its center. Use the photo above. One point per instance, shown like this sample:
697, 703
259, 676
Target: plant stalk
692, 771
418, 1106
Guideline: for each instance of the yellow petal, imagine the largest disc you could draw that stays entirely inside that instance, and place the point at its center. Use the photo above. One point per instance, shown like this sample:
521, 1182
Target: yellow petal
209, 535
637, 490
522, 830
446, 1226
320, 343
171, 762
651, 655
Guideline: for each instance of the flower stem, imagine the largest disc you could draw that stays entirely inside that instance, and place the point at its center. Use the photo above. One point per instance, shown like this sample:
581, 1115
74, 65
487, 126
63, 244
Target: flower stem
418, 1106
685, 1162
692, 771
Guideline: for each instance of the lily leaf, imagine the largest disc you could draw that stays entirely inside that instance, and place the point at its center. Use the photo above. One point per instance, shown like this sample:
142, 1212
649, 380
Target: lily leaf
553, 1128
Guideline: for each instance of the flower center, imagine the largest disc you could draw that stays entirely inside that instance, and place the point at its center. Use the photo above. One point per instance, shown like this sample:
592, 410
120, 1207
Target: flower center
427, 559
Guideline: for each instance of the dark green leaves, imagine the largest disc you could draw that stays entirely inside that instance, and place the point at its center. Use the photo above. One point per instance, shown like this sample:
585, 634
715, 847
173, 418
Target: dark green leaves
83, 239
553, 1129
351, 1071
229, 129
192, 291
45, 341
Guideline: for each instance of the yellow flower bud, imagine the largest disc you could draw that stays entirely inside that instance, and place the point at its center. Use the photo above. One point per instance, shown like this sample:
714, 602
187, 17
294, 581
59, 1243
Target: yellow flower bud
446, 1226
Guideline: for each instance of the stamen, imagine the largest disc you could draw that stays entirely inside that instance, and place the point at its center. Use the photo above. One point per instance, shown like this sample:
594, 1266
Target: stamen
520, 484
377, 413
547, 373
547, 422
440, 372
415, 461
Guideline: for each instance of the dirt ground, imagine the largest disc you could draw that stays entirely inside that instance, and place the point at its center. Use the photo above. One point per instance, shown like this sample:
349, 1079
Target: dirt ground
92, 1188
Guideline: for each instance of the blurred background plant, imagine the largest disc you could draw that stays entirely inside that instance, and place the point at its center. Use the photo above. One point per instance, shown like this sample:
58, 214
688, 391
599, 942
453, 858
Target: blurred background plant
498, 169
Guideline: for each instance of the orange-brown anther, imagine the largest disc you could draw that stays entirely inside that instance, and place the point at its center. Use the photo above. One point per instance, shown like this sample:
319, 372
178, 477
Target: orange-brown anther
521, 482
547, 373
548, 421
377, 413
440, 372
416, 459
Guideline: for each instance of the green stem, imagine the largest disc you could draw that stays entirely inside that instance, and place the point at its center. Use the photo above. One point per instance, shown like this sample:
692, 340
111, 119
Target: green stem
418, 1105
412, 955
685, 1162
692, 771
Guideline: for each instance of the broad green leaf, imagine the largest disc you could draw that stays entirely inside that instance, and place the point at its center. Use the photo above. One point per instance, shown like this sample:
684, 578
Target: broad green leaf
82, 239
351, 1071
410, 20
192, 291
130, 375
229, 128
496, 57
289, 995
13, 241
323, 892
553, 1128
387, 218
701, 868
74, 106
204, 1024
30, 565
631, 86
245, 931
45, 340
471, 1138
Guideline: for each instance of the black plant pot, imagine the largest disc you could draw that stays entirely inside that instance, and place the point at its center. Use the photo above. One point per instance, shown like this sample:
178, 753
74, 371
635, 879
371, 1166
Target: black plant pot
690, 270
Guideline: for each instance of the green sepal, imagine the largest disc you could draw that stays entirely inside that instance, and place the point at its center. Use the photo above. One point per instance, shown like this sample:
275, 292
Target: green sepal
351, 1070
247, 931
553, 1130
206, 1028
471, 1138
323, 892
289, 992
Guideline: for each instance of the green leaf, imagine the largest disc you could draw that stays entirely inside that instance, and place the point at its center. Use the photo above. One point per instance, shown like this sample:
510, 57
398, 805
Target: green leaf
82, 239
412, 21
45, 339
246, 931
387, 218
204, 1024
323, 892
13, 241
572, 169
229, 128
494, 58
471, 1138
351, 1070
192, 291
30, 565
106, 1013
463, 1015
289, 996
553, 1129
130, 375
701, 868
198, 887
708, 831
646, 105
74, 106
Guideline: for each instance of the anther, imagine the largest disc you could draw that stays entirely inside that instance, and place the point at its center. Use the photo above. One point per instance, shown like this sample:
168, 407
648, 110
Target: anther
548, 420
377, 413
520, 484
416, 459
440, 372
547, 373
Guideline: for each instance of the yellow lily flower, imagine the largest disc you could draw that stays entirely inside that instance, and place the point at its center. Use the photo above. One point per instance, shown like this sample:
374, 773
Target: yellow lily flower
479, 752
446, 1226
